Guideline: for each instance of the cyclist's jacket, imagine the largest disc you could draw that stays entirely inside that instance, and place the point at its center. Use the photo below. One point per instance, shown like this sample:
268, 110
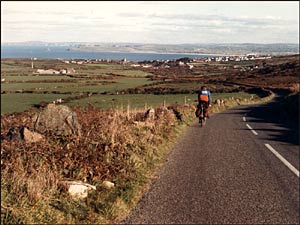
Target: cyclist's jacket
204, 96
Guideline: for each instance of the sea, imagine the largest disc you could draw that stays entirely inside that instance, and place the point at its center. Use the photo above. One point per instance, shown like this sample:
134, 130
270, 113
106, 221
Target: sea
63, 52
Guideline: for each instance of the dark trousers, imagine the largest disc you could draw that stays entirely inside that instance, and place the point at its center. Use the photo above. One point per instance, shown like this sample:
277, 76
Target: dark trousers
205, 107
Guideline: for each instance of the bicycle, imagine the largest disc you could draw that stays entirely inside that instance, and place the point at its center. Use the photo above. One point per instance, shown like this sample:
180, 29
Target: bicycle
202, 112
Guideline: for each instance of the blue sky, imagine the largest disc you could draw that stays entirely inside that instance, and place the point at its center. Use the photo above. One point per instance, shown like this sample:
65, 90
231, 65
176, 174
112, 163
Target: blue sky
165, 22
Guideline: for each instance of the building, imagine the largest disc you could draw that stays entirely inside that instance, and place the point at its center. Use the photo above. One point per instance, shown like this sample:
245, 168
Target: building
63, 71
147, 66
70, 70
135, 65
49, 71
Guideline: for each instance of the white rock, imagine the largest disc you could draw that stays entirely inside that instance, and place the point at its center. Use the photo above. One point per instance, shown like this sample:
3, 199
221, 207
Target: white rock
108, 184
78, 189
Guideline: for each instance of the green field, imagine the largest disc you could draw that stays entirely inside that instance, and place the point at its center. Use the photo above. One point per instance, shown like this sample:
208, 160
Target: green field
137, 101
32, 86
99, 65
180, 86
134, 100
191, 86
89, 70
121, 84
20, 102
133, 73
20, 71
37, 78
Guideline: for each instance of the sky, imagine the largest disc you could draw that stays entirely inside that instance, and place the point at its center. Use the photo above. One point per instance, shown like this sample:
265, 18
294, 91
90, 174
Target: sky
160, 22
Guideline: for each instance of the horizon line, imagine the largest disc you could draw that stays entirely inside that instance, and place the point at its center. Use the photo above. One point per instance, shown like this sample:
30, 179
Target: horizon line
10, 42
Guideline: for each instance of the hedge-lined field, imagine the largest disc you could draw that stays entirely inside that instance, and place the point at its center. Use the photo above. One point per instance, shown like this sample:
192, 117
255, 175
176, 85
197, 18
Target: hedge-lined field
102, 85
138, 101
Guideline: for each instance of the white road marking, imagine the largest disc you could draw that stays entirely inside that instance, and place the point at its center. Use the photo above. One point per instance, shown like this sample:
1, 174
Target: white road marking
244, 118
285, 162
253, 131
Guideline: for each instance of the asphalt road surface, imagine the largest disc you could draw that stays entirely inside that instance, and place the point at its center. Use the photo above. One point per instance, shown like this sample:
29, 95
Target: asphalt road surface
226, 173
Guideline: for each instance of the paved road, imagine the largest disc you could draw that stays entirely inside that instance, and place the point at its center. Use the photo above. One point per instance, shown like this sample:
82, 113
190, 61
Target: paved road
224, 173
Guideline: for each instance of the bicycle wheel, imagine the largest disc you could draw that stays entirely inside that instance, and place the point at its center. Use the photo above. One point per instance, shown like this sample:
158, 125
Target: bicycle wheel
203, 121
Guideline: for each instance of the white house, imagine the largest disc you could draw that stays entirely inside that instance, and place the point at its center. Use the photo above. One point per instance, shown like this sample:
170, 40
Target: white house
147, 66
135, 65
49, 71
181, 63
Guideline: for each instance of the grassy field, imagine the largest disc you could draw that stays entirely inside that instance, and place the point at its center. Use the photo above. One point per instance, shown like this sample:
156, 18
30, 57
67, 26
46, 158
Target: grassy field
100, 65
138, 101
118, 69
19, 72
133, 100
23, 67
25, 101
37, 78
20, 102
121, 84
32, 86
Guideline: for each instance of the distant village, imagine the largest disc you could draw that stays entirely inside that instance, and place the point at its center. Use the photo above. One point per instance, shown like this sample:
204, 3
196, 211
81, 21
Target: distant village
155, 64
237, 58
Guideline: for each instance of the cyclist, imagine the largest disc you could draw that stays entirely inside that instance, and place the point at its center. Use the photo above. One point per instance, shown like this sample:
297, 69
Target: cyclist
204, 98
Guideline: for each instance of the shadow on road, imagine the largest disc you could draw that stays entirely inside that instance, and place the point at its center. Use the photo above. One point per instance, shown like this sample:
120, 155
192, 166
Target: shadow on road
280, 127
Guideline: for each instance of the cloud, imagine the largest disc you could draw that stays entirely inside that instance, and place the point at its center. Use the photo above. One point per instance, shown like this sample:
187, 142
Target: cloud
128, 14
147, 21
176, 21
224, 19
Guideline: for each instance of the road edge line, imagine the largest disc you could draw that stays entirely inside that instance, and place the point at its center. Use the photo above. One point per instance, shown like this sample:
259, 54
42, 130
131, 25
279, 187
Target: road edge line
253, 131
283, 160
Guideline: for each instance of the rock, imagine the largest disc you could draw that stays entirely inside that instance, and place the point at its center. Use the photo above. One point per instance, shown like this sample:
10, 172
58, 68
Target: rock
108, 184
150, 114
23, 133
218, 101
78, 189
29, 136
57, 119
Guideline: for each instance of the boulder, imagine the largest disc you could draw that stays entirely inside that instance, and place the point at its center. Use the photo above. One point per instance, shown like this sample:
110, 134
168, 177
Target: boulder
57, 119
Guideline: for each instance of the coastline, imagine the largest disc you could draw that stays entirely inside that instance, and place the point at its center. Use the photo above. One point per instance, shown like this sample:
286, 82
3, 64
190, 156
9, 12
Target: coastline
154, 52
